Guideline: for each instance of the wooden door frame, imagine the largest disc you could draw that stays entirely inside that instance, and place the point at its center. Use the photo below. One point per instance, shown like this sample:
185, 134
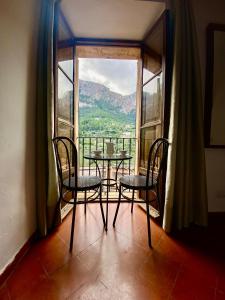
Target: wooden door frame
167, 71
167, 61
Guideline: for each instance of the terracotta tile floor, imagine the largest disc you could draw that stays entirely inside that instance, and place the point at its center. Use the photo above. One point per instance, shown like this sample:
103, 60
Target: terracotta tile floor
119, 264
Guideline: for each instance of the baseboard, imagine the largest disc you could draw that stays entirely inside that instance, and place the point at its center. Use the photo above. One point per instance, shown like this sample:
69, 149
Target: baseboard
153, 212
9, 269
66, 210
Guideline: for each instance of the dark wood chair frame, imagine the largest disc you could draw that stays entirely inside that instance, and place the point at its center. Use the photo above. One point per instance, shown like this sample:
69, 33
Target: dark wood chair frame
147, 183
70, 184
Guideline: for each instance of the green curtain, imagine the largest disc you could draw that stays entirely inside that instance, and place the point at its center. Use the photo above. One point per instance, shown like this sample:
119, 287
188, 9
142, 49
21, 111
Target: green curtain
186, 196
48, 212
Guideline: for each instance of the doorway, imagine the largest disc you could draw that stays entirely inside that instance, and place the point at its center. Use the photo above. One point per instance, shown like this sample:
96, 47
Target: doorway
107, 100
152, 91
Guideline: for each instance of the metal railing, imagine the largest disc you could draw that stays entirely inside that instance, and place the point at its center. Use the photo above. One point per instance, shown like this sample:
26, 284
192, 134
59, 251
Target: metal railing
86, 145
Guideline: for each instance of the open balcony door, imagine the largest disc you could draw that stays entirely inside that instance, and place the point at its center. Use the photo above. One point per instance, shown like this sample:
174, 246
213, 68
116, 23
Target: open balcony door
155, 90
67, 99
65, 118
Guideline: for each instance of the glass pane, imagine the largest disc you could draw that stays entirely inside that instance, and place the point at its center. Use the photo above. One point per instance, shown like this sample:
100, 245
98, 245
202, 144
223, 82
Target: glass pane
67, 67
65, 60
147, 75
152, 64
65, 98
148, 136
152, 101
64, 130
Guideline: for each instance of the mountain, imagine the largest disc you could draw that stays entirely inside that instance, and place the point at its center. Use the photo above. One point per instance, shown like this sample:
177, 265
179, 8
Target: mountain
101, 111
95, 94
106, 113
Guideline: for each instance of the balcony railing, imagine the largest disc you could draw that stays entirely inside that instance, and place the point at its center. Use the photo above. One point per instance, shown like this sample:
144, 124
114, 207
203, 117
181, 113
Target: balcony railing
87, 145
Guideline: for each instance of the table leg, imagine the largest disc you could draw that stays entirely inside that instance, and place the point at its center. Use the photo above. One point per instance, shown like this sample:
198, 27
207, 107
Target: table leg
117, 169
107, 194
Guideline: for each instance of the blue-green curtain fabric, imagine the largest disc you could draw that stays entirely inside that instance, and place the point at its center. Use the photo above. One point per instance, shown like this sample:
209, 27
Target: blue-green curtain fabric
48, 212
186, 196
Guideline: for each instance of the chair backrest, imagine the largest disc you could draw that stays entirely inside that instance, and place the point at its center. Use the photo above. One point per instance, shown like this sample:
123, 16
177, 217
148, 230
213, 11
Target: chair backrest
157, 160
66, 160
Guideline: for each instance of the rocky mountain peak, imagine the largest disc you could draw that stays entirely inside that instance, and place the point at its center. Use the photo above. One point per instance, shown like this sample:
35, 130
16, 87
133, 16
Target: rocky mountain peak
91, 93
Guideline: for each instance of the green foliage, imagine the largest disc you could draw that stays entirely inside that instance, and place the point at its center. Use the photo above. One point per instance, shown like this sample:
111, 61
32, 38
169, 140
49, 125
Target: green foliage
101, 118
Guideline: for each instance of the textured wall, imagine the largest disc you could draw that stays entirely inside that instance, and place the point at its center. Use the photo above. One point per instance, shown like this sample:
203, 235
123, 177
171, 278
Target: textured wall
208, 11
18, 40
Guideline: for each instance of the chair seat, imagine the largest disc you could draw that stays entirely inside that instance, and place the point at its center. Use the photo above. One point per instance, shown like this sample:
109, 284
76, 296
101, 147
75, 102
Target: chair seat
137, 182
84, 182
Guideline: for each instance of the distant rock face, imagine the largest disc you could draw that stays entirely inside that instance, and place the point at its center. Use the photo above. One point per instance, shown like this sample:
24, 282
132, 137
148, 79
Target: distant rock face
94, 95
91, 93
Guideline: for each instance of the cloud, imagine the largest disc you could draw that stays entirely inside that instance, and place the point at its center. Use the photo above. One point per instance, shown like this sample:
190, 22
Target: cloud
119, 76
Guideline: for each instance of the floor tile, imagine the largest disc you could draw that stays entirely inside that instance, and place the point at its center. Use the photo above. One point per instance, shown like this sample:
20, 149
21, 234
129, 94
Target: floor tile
87, 230
221, 277
118, 264
4, 293
27, 274
159, 273
129, 269
60, 285
71, 277
52, 252
134, 226
93, 291
113, 248
46, 289
172, 249
192, 284
220, 294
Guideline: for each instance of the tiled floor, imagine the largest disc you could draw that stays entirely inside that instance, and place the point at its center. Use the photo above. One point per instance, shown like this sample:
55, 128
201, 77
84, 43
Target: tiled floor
119, 264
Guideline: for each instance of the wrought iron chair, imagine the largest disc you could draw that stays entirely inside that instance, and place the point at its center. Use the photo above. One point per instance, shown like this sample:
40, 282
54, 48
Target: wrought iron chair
70, 182
157, 160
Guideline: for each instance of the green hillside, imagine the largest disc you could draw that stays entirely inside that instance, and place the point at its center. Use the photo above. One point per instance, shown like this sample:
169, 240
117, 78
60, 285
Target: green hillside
104, 113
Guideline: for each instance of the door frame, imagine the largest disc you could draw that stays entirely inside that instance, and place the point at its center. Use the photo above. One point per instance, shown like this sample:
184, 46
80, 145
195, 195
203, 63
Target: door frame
166, 20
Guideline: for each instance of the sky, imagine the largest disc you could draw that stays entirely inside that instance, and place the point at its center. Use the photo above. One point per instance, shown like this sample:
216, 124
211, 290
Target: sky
119, 76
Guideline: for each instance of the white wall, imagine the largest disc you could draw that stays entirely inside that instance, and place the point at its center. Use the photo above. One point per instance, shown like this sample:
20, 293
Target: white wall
208, 11
18, 43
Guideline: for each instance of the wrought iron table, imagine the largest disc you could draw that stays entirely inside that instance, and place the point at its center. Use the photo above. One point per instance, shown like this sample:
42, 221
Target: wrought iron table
108, 181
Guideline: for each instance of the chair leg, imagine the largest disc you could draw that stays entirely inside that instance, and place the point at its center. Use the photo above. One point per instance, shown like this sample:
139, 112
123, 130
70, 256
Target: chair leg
132, 203
118, 205
73, 220
101, 206
107, 210
148, 221
85, 202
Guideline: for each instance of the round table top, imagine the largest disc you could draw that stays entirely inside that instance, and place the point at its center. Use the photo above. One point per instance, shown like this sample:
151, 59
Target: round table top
105, 156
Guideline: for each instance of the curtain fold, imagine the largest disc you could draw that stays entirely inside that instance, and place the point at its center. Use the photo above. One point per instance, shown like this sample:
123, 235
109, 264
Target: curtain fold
48, 212
186, 196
